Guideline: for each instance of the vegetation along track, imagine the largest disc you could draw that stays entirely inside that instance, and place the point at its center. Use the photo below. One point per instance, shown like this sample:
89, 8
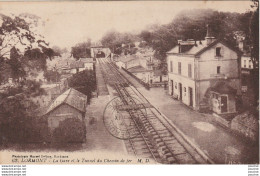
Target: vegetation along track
157, 138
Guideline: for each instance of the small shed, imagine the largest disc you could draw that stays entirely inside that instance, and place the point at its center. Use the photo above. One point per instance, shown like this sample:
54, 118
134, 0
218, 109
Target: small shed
70, 104
223, 98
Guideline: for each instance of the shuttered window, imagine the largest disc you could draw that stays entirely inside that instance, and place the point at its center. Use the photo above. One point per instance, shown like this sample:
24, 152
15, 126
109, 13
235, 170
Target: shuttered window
218, 69
171, 67
179, 67
189, 70
218, 51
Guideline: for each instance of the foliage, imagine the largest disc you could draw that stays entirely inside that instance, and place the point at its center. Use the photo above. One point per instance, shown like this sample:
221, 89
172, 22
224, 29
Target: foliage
254, 48
254, 35
14, 118
32, 88
84, 81
70, 130
16, 32
81, 50
114, 41
52, 76
191, 24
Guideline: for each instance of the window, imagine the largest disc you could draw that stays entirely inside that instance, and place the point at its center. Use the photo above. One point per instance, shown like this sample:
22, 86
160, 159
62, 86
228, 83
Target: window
189, 71
218, 51
218, 70
244, 63
184, 89
179, 67
171, 69
250, 63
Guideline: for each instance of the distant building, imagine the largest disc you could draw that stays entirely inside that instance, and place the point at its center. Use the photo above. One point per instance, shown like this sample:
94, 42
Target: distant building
127, 61
142, 73
246, 61
246, 64
76, 67
159, 76
88, 63
205, 74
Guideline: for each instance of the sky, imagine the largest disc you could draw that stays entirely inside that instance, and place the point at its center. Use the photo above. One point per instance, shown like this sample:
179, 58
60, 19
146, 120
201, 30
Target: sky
68, 23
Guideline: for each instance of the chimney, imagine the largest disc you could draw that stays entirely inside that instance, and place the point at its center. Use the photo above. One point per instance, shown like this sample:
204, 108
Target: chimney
209, 37
241, 45
179, 43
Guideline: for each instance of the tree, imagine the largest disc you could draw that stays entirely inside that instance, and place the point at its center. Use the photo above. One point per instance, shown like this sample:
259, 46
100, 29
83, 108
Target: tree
52, 76
81, 50
17, 32
254, 48
254, 35
114, 41
15, 64
84, 81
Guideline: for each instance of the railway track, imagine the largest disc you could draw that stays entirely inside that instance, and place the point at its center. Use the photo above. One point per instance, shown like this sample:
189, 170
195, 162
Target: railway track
157, 139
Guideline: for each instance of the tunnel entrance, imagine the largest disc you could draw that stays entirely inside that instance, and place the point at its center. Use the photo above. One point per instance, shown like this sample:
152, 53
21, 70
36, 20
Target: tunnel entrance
100, 54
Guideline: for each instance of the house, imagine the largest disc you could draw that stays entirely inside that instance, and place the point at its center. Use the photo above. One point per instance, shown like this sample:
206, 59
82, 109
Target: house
142, 73
127, 61
159, 76
76, 66
246, 62
205, 74
70, 104
88, 63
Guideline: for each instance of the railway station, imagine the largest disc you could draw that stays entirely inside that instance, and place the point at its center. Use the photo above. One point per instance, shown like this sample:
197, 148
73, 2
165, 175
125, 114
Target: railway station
160, 134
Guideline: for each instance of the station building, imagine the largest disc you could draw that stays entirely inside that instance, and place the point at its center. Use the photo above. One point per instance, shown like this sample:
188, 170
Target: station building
205, 74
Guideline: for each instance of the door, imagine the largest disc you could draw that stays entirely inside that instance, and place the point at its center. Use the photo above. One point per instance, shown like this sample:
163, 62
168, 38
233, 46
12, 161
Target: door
172, 87
180, 88
190, 96
223, 104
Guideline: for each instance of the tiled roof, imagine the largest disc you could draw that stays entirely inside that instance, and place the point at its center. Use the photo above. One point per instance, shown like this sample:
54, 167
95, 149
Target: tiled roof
137, 69
71, 97
193, 50
200, 47
76, 64
86, 60
127, 58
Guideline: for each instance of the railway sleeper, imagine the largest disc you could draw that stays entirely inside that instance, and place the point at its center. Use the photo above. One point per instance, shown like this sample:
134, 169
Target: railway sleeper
165, 134
158, 127
170, 140
185, 159
160, 144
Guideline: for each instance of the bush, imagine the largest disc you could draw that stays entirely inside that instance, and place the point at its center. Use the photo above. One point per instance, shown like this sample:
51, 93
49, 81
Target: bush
70, 131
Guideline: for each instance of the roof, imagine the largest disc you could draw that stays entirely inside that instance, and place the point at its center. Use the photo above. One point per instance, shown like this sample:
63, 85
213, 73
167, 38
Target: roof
86, 60
223, 88
200, 47
127, 58
76, 64
158, 73
70, 97
137, 69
